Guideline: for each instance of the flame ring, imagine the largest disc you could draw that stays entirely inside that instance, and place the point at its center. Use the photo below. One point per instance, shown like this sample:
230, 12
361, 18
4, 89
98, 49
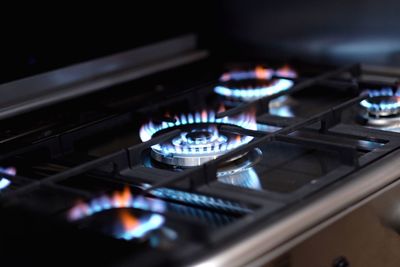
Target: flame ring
182, 151
382, 102
259, 73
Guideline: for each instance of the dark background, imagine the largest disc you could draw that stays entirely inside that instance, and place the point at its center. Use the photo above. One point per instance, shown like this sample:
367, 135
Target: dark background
39, 39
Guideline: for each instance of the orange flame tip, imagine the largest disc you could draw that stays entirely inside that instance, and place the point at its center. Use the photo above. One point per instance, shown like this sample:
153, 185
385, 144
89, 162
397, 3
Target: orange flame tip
129, 222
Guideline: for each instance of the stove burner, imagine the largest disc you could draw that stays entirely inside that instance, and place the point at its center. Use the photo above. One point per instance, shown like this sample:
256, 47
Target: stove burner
122, 199
382, 108
200, 140
382, 103
135, 225
4, 182
249, 92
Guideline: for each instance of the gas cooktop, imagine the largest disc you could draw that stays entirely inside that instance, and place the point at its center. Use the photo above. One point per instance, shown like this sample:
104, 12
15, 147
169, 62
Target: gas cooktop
187, 169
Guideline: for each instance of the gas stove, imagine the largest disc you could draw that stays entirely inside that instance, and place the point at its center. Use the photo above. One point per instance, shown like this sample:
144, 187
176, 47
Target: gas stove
227, 164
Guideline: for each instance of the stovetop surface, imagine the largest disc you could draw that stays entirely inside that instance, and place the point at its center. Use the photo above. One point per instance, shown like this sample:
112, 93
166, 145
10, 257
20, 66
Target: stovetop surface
83, 181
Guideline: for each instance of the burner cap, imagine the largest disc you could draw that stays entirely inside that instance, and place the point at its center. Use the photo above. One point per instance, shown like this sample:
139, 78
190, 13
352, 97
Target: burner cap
201, 136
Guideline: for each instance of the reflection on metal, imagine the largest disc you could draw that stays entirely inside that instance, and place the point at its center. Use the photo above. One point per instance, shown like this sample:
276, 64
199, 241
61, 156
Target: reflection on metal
281, 107
242, 173
247, 178
199, 200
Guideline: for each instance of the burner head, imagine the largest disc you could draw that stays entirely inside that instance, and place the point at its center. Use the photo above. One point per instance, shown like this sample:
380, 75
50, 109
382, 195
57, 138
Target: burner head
248, 85
137, 216
200, 139
196, 146
381, 108
119, 199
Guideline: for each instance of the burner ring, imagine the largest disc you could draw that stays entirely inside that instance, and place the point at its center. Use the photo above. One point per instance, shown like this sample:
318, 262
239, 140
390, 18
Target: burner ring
183, 160
381, 109
264, 83
382, 106
200, 139
194, 147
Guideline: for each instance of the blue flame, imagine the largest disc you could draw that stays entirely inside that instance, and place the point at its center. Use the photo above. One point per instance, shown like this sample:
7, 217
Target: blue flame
4, 182
259, 73
254, 93
118, 200
244, 120
205, 122
147, 224
384, 105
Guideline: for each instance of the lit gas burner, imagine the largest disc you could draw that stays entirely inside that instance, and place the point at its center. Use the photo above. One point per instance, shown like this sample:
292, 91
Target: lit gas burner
129, 225
248, 85
382, 108
122, 199
382, 103
200, 139
4, 182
